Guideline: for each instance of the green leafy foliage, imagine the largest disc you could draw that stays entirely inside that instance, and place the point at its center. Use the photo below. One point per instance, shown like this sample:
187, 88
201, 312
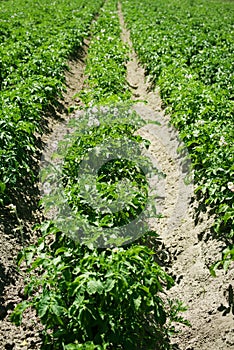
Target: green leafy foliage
98, 299
36, 38
111, 133
187, 49
106, 62
104, 177
224, 262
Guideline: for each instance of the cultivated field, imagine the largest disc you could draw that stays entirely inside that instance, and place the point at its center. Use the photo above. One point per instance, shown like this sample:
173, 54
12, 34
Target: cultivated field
116, 174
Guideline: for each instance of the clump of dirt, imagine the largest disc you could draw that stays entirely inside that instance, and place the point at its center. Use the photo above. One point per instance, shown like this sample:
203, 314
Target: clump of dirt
193, 250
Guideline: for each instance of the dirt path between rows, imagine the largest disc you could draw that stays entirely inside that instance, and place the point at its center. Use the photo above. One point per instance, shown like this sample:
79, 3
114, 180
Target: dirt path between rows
191, 255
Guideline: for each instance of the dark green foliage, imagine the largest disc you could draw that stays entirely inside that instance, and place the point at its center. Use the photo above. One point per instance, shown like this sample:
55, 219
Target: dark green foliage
106, 62
187, 49
113, 298
96, 298
36, 40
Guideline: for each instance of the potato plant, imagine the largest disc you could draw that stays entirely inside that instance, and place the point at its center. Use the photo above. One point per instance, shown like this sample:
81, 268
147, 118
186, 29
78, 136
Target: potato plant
106, 62
36, 40
98, 299
187, 50
90, 297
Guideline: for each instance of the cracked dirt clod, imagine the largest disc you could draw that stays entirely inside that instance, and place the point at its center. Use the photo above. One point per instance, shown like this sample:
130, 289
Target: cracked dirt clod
202, 293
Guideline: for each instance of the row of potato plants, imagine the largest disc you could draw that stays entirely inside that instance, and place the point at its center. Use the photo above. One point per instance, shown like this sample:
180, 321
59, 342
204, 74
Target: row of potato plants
110, 297
36, 39
187, 50
106, 62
